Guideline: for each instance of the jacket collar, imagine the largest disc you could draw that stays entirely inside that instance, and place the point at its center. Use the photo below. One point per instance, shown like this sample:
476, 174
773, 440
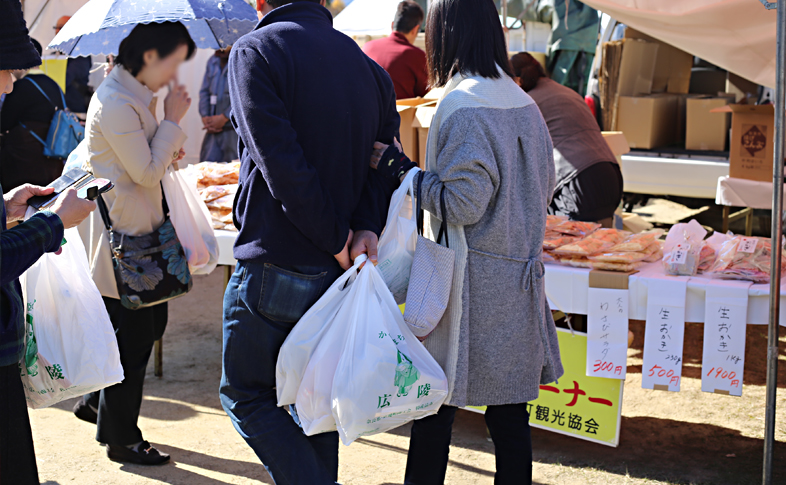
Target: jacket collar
399, 38
297, 11
120, 75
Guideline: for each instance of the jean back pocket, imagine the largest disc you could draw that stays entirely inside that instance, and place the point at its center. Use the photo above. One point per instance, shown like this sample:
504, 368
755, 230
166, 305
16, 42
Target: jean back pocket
287, 295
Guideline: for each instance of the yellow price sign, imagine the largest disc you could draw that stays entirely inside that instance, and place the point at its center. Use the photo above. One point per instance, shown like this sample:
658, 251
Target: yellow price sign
585, 407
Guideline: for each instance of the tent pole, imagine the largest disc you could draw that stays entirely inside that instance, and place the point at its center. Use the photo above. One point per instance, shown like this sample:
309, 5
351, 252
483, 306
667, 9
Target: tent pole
777, 231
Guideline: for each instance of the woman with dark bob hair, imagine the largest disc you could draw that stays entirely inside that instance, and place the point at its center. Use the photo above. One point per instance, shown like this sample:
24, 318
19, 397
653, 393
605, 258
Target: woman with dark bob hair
490, 151
128, 146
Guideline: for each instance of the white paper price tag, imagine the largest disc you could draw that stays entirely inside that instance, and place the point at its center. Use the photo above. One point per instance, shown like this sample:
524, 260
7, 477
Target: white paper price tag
747, 245
722, 364
664, 334
607, 333
680, 253
213, 99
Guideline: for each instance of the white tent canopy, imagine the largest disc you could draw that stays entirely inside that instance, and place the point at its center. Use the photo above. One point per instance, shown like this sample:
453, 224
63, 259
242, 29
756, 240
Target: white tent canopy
366, 17
190, 74
736, 35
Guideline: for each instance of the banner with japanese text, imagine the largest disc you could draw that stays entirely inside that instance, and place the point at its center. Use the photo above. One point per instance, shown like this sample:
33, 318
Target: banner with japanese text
581, 406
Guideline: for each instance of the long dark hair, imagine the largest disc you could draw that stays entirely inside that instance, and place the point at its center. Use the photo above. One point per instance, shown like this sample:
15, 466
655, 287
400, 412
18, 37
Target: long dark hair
527, 69
164, 37
464, 36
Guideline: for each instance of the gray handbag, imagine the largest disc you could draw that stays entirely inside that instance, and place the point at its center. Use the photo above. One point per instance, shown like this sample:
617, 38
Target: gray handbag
431, 277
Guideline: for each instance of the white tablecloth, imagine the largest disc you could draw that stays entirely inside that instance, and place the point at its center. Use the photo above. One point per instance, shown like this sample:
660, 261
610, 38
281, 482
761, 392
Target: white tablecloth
744, 193
566, 289
672, 176
226, 241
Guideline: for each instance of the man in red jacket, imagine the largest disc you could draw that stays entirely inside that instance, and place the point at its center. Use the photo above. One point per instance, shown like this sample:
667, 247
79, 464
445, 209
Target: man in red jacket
405, 63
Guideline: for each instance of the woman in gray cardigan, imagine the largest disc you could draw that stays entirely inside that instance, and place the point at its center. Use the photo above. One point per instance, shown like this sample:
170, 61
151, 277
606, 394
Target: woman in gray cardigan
490, 150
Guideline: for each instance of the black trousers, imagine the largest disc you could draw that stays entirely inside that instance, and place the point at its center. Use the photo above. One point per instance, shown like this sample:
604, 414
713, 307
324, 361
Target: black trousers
429, 446
17, 457
118, 406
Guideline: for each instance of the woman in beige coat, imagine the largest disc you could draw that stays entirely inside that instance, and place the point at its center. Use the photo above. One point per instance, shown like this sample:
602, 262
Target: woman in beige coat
130, 148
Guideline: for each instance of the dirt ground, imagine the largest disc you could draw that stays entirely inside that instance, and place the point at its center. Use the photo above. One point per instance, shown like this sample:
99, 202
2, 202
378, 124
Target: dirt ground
686, 437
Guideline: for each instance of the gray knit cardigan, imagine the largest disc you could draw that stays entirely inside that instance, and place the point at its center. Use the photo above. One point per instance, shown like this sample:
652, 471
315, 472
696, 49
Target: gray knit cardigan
490, 149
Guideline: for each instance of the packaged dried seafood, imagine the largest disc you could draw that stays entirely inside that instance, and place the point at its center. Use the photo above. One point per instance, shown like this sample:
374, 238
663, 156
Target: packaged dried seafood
637, 242
597, 242
576, 228
682, 249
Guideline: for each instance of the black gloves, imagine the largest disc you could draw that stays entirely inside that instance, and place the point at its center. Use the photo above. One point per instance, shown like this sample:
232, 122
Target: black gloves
394, 164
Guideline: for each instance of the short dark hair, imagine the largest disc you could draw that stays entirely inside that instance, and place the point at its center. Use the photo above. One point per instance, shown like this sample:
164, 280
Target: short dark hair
408, 16
281, 3
464, 36
164, 37
527, 69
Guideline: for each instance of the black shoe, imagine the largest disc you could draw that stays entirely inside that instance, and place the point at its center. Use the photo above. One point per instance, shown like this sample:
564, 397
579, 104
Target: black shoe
83, 411
147, 455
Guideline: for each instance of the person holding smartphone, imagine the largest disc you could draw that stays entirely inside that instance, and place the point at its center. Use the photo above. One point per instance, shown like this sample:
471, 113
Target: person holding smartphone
20, 247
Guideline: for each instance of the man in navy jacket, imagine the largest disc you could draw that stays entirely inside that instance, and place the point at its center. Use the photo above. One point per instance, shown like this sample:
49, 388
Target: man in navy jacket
308, 106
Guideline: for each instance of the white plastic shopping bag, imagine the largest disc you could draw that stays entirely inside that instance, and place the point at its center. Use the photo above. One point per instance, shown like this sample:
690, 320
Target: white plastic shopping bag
385, 377
70, 346
396, 247
191, 220
302, 341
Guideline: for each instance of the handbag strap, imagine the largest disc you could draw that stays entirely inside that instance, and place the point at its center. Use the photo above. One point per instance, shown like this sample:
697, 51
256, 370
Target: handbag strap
62, 96
105, 212
32, 133
443, 228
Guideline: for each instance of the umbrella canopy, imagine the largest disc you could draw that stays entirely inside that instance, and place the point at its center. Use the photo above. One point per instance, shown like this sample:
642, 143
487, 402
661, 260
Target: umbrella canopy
100, 25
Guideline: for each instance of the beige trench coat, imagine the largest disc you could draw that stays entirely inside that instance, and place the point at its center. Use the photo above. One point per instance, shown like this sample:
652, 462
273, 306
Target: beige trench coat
128, 147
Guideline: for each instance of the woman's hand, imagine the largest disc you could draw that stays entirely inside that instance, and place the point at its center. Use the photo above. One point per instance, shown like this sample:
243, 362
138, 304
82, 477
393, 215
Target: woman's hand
181, 154
16, 200
176, 104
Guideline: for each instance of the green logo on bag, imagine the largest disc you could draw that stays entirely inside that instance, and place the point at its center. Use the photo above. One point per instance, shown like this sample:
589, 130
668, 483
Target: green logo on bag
31, 347
55, 371
406, 375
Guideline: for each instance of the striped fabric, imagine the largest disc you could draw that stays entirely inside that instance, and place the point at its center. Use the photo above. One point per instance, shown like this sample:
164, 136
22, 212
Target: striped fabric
20, 247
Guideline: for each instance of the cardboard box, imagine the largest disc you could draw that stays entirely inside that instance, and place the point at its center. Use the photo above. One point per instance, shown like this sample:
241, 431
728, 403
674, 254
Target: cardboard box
648, 121
409, 134
741, 87
752, 140
704, 129
672, 66
617, 142
422, 122
637, 67
707, 81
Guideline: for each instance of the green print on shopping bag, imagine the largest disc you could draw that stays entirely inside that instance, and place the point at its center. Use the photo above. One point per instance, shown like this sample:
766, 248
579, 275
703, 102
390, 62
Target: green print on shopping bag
31, 347
406, 375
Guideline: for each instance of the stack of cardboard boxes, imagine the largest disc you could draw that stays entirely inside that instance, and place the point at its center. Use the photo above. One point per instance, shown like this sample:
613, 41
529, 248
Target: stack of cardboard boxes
662, 100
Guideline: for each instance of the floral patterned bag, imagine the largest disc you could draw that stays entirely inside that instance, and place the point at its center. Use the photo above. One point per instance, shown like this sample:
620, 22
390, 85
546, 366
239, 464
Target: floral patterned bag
149, 269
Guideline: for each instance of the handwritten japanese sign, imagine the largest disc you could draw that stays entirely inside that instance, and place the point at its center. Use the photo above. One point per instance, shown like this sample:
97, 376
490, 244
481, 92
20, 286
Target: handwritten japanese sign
607, 333
722, 365
664, 334
580, 406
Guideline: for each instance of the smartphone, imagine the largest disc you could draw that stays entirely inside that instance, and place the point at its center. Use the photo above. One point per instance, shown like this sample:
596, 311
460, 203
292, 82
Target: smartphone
94, 188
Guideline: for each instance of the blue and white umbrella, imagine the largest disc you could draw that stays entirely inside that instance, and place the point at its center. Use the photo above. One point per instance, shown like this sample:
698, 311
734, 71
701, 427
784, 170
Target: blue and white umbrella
100, 25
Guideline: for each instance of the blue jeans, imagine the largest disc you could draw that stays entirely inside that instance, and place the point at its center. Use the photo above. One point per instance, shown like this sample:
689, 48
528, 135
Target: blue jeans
262, 304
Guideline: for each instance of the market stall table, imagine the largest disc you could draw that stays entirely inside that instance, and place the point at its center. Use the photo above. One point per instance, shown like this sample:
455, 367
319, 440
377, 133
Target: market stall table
566, 290
735, 192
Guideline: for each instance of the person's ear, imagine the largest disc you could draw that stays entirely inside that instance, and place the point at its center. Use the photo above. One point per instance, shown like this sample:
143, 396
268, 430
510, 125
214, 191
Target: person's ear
260, 4
415, 31
323, 2
149, 57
